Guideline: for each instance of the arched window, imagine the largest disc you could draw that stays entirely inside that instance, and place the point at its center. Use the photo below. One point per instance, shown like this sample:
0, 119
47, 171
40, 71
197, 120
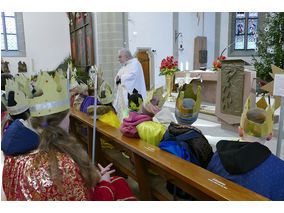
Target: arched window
12, 34
242, 36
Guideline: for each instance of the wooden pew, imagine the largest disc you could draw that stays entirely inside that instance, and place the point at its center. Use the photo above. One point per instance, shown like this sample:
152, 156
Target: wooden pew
196, 181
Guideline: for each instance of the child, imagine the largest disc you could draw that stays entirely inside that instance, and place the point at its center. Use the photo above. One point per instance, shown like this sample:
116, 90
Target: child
248, 162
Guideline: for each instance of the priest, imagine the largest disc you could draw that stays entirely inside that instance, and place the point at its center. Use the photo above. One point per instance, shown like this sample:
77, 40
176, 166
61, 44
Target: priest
129, 76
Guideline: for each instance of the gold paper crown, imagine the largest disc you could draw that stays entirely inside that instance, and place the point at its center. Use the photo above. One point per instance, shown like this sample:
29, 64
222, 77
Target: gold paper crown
187, 92
19, 97
256, 129
73, 74
82, 87
105, 94
158, 93
54, 98
24, 83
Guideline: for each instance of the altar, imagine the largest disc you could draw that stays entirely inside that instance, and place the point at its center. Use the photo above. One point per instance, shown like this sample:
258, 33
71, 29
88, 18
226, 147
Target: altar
206, 79
213, 93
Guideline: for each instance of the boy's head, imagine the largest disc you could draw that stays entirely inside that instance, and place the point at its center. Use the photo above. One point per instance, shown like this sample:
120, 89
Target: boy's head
256, 116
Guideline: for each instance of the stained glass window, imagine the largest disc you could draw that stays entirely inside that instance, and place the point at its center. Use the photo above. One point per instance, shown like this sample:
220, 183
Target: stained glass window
252, 26
246, 26
253, 15
240, 26
239, 42
251, 42
240, 15
8, 32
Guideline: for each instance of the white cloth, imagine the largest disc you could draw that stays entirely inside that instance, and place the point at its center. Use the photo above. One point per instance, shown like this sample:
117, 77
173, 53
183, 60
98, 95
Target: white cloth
131, 76
165, 117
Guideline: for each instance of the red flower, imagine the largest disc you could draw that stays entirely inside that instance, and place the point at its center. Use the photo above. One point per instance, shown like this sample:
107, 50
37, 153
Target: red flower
168, 65
223, 57
218, 58
214, 62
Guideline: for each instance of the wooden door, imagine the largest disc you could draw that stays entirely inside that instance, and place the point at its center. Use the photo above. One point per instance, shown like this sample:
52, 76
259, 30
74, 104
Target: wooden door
144, 59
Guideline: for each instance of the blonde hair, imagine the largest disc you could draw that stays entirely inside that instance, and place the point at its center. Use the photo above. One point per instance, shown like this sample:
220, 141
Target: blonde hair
53, 139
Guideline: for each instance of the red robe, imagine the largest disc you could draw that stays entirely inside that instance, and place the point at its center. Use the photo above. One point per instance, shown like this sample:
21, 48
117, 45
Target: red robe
21, 181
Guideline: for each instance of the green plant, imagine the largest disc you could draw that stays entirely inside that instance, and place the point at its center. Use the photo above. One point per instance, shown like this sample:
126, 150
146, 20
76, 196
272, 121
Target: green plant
270, 46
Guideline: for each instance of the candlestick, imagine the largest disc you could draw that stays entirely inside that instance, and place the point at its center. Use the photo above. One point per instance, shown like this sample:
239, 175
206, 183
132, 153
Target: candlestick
181, 66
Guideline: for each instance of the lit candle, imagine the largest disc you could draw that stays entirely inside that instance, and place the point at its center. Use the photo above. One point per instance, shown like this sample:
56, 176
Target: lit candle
181, 66
186, 66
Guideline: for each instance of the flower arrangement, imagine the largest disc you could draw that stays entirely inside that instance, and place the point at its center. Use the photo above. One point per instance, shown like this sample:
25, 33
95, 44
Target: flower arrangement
217, 64
169, 66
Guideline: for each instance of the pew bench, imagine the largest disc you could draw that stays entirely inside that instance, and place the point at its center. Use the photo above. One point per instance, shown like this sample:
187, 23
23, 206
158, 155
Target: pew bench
196, 181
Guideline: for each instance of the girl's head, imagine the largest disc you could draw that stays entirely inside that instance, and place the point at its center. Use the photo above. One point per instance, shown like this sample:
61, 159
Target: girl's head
50, 118
59, 119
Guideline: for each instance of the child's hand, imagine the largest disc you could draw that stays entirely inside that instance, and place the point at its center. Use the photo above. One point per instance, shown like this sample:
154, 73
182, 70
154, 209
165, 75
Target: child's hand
105, 172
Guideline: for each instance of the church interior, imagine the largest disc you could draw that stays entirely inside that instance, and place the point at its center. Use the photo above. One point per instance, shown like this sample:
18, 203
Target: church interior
217, 59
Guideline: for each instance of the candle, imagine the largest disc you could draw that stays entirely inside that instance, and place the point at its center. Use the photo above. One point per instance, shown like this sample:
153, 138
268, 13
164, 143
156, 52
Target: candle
186, 66
181, 66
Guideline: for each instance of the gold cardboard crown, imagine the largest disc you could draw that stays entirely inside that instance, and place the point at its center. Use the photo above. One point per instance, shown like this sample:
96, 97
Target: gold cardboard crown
54, 98
256, 129
24, 84
158, 93
105, 94
187, 92
73, 74
82, 87
19, 97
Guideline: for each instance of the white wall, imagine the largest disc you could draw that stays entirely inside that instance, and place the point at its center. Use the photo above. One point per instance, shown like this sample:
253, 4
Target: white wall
47, 41
155, 30
190, 28
152, 30
209, 32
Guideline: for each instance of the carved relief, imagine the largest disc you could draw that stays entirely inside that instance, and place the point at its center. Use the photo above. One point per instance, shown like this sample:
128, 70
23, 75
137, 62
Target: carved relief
232, 84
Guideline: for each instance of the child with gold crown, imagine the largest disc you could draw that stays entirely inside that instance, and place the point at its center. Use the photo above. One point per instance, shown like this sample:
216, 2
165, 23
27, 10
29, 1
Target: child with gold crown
248, 162
59, 169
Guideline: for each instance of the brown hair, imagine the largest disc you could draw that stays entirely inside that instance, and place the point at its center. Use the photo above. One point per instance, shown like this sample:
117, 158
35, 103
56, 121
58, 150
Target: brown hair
53, 139
257, 115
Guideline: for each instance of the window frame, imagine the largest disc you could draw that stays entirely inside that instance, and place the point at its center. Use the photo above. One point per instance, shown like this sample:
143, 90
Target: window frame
232, 52
21, 52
